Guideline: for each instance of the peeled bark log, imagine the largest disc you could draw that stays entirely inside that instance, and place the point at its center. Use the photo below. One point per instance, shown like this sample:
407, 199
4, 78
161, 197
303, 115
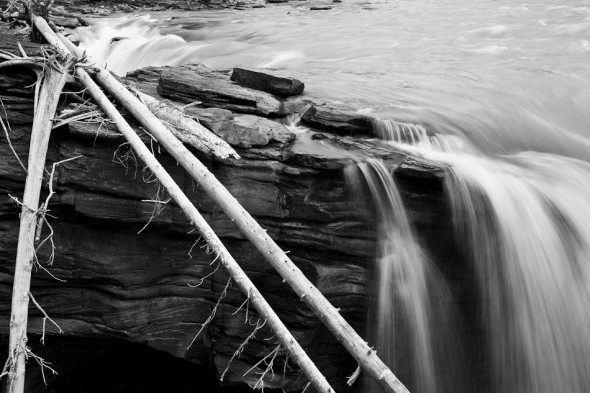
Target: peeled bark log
53, 83
188, 130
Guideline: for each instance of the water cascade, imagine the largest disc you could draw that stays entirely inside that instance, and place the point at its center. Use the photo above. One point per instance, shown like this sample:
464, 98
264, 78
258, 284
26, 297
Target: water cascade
524, 227
411, 297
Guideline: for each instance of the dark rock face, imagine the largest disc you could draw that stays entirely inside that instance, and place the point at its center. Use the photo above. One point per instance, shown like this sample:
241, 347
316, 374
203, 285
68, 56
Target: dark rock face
267, 82
129, 280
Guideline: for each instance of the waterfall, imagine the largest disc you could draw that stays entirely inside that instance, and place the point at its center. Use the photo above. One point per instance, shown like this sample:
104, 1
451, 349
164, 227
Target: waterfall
527, 226
411, 298
523, 221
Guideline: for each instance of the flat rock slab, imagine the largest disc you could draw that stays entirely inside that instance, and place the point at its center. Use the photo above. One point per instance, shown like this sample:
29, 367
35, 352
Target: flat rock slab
264, 81
325, 151
195, 82
338, 119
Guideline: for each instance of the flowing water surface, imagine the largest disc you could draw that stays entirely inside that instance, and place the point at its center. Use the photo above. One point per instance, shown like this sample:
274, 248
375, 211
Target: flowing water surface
497, 91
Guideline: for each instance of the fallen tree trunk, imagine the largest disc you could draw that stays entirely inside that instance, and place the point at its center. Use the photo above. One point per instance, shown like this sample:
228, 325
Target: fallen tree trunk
279, 329
53, 82
188, 130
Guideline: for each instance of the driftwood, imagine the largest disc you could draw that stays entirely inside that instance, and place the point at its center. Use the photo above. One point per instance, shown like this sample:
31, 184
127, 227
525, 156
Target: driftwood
188, 130
279, 329
54, 79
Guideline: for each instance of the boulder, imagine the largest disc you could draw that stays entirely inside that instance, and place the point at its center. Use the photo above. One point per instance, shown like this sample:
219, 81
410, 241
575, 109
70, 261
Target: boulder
265, 81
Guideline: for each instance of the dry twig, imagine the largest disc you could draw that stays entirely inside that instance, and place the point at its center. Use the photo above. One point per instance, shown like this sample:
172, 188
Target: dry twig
213, 312
45, 318
7, 130
269, 368
242, 346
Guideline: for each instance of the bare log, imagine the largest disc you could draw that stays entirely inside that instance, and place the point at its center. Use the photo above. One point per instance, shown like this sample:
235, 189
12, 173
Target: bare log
53, 82
365, 356
279, 329
188, 130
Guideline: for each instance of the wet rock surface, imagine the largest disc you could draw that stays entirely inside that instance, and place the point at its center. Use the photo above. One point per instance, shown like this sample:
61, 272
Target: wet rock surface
337, 118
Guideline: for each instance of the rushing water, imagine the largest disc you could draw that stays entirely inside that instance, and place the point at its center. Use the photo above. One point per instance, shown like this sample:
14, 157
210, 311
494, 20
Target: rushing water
497, 91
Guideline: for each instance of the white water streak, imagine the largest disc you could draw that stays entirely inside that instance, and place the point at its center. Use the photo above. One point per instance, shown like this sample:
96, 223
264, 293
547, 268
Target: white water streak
525, 222
410, 290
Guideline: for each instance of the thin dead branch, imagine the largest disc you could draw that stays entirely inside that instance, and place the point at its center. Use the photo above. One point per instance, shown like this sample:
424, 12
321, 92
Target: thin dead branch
213, 312
45, 318
268, 369
22, 51
41, 362
352, 378
31, 63
238, 352
202, 280
7, 130
157, 201
285, 371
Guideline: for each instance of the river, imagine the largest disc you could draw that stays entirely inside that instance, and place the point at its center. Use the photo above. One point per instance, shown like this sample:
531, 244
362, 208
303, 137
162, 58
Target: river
498, 91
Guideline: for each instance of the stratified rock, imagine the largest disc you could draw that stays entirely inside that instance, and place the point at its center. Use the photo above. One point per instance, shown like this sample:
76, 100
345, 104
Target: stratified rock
324, 151
338, 119
195, 82
267, 82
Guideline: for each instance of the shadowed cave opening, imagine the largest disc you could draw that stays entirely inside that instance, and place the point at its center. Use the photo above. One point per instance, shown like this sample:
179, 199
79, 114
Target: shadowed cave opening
118, 366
